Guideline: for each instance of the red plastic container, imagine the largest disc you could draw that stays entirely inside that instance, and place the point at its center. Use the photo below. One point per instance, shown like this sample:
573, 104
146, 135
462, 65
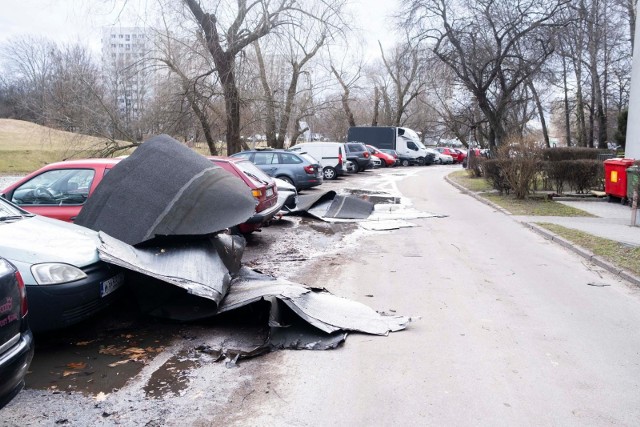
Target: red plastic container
615, 177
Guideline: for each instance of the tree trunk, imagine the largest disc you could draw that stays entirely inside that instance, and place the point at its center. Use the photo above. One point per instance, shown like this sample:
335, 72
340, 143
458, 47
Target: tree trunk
345, 98
567, 114
269, 117
543, 123
376, 106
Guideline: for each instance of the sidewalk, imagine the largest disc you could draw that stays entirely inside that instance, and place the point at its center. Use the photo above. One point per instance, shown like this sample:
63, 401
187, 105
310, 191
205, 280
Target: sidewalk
612, 221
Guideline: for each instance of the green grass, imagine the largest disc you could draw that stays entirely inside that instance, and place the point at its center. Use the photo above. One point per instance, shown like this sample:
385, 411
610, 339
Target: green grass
473, 184
624, 256
534, 206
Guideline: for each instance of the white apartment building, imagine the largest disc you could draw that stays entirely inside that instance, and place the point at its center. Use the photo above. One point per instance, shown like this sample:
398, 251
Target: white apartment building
127, 72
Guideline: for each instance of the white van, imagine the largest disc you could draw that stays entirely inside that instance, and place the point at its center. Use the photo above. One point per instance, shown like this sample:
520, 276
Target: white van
331, 155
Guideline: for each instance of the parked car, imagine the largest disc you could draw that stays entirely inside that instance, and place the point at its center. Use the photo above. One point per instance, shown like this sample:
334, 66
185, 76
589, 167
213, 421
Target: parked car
59, 190
301, 170
386, 159
16, 340
359, 155
450, 152
440, 158
262, 186
392, 153
331, 155
65, 279
377, 163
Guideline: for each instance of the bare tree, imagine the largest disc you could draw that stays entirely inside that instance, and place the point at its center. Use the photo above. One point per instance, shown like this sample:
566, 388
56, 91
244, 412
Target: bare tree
493, 46
251, 21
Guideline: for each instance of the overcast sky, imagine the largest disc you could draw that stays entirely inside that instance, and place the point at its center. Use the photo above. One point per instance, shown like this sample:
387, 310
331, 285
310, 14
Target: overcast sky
81, 20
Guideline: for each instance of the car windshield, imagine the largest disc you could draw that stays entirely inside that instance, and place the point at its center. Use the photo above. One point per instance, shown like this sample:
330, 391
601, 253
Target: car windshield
254, 173
11, 212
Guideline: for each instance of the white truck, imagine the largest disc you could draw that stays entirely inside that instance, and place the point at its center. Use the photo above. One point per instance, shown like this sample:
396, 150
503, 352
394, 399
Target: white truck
403, 140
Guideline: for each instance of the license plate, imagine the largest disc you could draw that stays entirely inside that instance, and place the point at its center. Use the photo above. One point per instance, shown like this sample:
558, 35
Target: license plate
269, 192
110, 285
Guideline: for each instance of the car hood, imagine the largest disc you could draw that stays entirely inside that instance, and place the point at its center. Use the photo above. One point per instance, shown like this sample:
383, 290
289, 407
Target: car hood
39, 239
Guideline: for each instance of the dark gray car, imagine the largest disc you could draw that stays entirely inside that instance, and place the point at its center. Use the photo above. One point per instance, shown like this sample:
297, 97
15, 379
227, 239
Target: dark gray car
300, 170
359, 155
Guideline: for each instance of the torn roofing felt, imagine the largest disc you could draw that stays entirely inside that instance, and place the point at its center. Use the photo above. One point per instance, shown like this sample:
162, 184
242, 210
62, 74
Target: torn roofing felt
332, 205
319, 308
166, 189
203, 267
204, 272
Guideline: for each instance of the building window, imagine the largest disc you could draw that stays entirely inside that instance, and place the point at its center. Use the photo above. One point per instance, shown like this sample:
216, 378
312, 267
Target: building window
127, 37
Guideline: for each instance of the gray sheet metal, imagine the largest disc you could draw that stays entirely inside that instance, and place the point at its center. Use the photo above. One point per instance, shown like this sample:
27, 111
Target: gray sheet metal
202, 267
166, 189
321, 309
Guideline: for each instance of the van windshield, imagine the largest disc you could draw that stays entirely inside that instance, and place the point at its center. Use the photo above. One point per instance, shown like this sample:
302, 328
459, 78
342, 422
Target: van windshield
409, 134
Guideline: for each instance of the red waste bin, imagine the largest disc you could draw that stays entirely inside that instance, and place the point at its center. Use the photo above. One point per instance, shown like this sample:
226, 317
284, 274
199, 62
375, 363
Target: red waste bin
615, 177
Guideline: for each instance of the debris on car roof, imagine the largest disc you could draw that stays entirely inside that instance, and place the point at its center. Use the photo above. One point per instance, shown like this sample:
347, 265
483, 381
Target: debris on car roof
166, 189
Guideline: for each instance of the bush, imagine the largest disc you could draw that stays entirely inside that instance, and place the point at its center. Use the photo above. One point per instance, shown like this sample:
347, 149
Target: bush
493, 172
571, 153
580, 175
522, 164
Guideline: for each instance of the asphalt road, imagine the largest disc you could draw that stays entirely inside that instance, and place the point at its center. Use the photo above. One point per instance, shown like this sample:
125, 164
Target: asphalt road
510, 329
511, 332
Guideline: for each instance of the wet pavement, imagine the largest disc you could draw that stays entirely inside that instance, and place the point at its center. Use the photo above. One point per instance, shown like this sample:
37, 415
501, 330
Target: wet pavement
101, 356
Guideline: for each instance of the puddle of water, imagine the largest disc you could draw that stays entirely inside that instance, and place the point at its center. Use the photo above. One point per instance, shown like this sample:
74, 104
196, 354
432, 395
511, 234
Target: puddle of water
99, 355
172, 377
375, 197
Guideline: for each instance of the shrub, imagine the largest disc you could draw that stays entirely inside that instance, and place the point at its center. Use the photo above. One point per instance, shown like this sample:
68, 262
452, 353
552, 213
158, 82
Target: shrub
522, 164
585, 174
571, 153
580, 175
493, 172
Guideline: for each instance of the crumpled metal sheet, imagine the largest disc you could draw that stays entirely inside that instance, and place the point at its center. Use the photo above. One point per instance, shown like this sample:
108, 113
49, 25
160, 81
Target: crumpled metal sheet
330, 205
166, 189
203, 267
323, 310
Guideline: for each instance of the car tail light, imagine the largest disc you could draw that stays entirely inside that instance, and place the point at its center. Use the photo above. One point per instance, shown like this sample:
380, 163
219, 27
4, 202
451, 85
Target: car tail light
340, 157
257, 193
24, 307
309, 169
366, 154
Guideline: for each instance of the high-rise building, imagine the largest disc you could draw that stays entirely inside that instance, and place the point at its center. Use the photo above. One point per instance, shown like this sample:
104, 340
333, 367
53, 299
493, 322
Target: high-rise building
127, 72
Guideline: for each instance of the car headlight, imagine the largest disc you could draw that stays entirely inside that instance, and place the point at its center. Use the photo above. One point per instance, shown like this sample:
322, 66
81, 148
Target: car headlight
54, 273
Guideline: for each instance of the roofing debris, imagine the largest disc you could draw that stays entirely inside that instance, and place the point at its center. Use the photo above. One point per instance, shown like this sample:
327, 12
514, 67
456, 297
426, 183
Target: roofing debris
164, 224
373, 210
166, 189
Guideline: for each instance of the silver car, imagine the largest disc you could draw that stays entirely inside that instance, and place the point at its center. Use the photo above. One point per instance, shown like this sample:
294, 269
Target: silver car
65, 279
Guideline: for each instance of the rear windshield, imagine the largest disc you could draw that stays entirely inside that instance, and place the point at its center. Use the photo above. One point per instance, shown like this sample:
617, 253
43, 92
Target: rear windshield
357, 147
309, 158
257, 176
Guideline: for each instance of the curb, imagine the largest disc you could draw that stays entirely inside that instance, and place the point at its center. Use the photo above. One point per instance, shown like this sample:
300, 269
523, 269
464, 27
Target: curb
588, 255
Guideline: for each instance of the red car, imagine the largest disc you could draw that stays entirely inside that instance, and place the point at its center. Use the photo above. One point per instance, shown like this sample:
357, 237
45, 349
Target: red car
60, 189
262, 187
386, 159
457, 155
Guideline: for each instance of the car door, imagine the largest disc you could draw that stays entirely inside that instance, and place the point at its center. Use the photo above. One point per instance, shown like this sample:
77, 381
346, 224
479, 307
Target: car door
268, 162
57, 193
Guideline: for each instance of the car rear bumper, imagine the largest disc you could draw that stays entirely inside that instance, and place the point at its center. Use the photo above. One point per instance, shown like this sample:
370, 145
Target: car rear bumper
59, 306
266, 215
13, 367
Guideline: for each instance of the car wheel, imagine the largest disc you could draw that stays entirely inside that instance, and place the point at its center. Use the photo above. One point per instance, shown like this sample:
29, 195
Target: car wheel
329, 173
356, 167
405, 162
286, 179
421, 161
